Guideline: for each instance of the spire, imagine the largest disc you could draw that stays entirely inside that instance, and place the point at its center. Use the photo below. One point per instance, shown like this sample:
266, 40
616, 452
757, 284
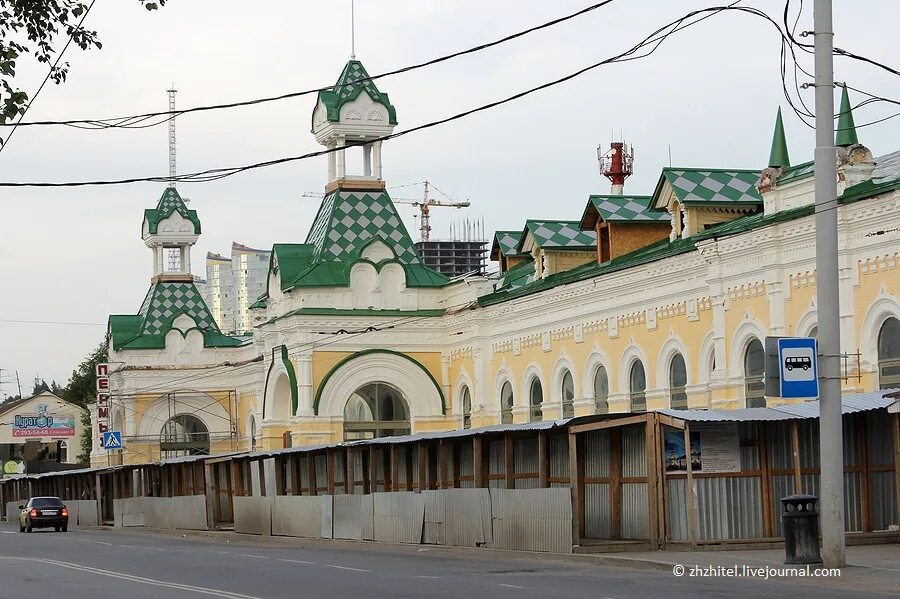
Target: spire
778, 157
352, 30
846, 128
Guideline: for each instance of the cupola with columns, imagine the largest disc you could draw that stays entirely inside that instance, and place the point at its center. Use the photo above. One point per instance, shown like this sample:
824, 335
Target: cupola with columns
349, 118
170, 230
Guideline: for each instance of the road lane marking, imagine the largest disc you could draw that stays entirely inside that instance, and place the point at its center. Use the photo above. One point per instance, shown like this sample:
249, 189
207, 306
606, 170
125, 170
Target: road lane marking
511, 586
296, 561
429, 576
251, 555
103, 543
133, 578
129, 546
347, 568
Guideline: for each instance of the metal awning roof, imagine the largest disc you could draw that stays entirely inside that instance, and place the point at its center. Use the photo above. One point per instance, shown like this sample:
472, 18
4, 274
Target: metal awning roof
850, 404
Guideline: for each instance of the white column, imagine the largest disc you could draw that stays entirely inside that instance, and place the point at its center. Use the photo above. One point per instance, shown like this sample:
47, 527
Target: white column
775, 291
445, 382
161, 259
332, 162
186, 258
304, 384
341, 159
367, 160
376, 147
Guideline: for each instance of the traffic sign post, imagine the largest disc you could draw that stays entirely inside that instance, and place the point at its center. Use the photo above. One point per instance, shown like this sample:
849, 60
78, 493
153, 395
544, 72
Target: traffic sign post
112, 440
798, 367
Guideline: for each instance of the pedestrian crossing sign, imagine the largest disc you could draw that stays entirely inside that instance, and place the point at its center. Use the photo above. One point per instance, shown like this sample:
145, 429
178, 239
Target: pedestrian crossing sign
112, 440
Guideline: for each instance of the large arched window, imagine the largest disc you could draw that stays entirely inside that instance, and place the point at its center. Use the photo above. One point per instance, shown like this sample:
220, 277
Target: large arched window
754, 372
182, 435
466, 403
535, 399
567, 394
506, 403
252, 432
889, 354
637, 385
375, 410
601, 391
677, 383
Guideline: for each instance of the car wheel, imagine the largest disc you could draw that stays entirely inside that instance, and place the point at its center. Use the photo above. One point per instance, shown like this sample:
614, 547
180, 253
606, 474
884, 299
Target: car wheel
65, 528
28, 528
21, 528
56, 528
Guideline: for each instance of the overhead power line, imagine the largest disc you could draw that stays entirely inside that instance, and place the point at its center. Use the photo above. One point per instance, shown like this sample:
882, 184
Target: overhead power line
17, 124
136, 121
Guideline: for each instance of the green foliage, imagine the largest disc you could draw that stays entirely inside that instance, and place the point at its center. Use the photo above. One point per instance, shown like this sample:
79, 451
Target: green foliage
82, 387
40, 28
40, 387
87, 439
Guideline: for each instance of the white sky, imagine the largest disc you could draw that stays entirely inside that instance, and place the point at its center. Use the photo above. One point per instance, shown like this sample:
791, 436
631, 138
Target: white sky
75, 254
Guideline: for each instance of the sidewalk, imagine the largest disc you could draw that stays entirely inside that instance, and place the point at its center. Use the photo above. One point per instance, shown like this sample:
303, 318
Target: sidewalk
869, 567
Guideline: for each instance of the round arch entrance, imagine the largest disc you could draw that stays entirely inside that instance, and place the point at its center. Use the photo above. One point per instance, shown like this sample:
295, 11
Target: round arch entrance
375, 410
183, 435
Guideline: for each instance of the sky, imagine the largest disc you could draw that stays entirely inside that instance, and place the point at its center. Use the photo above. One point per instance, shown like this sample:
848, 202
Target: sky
74, 255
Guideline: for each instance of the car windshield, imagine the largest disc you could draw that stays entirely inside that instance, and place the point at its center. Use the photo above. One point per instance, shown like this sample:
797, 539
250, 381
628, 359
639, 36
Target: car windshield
46, 502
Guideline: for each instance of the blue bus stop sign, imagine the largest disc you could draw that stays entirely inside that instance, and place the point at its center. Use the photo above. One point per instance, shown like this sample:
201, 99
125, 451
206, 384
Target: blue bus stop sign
798, 367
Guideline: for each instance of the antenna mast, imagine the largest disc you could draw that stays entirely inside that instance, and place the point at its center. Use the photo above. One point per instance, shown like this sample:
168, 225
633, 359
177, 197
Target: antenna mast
352, 30
171, 93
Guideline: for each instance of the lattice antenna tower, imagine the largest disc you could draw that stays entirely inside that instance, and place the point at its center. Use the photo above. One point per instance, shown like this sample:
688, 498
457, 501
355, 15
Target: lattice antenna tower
171, 91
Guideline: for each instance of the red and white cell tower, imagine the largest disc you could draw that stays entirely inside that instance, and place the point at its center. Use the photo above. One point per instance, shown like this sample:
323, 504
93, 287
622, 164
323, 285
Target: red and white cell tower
616, 164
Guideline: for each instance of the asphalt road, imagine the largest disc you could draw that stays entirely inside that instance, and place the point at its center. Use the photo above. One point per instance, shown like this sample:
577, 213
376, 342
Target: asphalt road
97, 564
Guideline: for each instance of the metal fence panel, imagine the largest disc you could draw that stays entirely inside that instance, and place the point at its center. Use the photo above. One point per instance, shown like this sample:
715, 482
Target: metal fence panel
634, 511
881, 439
729, 508
634, 452
677, 504
559, 456
399, 517
883, 500
597, 511
458, 517
353, 517
596, 453
296, 516
532, 519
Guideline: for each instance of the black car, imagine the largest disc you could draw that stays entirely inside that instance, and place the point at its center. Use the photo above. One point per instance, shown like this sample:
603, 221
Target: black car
43, 512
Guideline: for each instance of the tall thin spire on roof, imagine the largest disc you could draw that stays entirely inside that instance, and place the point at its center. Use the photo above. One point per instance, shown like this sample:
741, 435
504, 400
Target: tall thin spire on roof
846, 128
778, 157
171, 91
352, 30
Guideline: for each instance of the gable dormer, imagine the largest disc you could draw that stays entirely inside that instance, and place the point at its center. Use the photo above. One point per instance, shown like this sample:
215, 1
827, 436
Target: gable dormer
623, 224
557, 245
505, 250
699, 198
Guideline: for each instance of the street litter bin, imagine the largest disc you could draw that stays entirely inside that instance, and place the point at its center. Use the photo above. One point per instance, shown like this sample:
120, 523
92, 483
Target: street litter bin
800, 522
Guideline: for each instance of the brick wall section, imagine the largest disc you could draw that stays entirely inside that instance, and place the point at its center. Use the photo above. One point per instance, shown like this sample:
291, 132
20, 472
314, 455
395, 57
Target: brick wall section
628, 237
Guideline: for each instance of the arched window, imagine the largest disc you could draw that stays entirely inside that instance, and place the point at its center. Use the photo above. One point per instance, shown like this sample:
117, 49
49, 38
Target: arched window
535, 399
889, 354
814, 332
506, 403
601, 391
567, 394
467, 407
754, 372
183, 435
375, 410
637, 386
677, 383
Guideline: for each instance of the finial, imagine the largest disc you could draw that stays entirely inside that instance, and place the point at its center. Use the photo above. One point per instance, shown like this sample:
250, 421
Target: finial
171, 91
778, 157
846, 128
352, 30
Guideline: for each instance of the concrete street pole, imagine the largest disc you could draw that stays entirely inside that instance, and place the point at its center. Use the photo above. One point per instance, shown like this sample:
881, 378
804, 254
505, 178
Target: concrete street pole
831, 438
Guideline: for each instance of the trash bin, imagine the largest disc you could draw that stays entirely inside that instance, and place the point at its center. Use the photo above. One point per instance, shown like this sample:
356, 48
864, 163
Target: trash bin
800, 522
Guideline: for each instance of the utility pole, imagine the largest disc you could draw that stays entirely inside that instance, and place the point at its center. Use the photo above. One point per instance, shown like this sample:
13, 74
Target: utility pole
831, 436
18, 383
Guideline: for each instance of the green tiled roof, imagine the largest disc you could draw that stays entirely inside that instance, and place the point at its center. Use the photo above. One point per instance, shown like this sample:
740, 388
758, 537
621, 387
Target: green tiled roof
166, 301
347, 223
710, 186
353, 81
885, 178
168, 203
505, 243
558, 234
799, 171
616, 208
518, 275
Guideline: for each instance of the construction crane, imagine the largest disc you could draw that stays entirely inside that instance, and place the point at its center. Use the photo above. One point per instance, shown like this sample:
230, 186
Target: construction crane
424, 204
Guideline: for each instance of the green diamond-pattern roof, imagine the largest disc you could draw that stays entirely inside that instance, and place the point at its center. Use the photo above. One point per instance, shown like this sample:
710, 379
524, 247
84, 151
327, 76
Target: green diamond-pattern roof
705, 186
506, 243
627, 208
169, 203
349, 220
353, 81
166, 301
559, 234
